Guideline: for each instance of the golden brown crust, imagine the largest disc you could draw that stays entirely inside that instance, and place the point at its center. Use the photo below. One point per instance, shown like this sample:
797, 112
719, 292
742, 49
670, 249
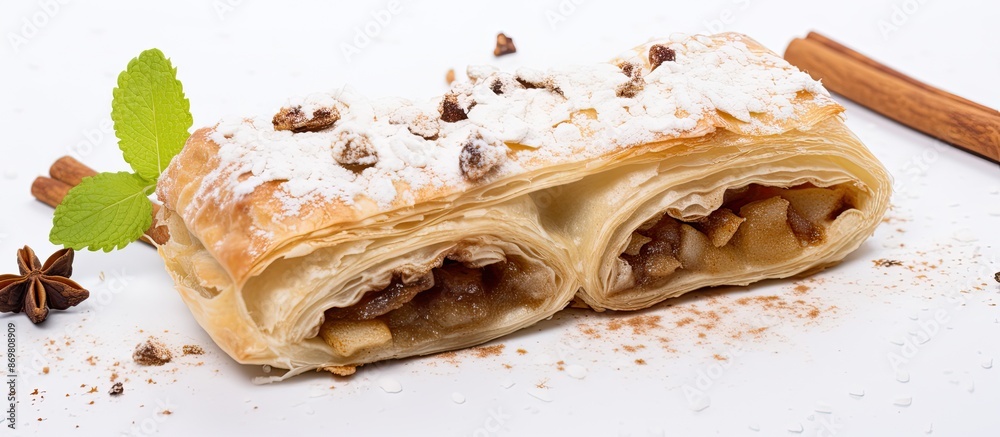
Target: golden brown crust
241, 231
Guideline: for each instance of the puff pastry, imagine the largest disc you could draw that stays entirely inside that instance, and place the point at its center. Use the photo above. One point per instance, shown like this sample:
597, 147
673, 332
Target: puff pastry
345, 230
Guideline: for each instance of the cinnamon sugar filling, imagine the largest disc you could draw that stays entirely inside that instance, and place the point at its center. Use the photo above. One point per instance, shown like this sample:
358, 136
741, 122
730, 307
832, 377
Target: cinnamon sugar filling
755, 225
456, 297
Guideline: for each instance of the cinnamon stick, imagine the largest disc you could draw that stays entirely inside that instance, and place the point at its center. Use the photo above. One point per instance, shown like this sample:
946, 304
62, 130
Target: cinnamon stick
49, 191
67, 169
66, 173
950, 118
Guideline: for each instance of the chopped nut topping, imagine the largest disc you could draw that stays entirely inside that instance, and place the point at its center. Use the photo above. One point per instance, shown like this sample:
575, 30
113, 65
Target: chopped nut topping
295, 120
546, 83
503, 83
449, 77
505, 45
480, 156
635, 83
425, 127
659, 54
192, 349
451, 110
116, 389
419, 123
353, 149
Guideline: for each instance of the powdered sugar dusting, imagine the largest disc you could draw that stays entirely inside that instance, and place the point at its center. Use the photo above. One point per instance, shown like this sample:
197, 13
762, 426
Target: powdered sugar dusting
384, 151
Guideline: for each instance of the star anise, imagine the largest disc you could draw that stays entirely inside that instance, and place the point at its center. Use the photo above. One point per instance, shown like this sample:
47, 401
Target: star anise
40, 286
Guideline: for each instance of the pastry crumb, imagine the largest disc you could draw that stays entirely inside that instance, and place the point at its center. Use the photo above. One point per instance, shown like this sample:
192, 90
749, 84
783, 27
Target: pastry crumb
152, 353
505, 45
339, 370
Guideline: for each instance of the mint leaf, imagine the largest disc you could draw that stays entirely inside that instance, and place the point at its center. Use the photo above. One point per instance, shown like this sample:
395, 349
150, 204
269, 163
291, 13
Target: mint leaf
152, 118
107, 211
151, 114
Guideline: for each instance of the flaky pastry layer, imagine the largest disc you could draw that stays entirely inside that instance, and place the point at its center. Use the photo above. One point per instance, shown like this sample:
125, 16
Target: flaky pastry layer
345, 231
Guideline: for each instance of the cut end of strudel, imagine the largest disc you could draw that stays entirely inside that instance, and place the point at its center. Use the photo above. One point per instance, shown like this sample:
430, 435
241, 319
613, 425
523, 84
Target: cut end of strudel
345, 230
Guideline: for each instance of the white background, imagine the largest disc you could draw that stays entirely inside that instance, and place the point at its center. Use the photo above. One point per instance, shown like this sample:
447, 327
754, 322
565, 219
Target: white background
797, 375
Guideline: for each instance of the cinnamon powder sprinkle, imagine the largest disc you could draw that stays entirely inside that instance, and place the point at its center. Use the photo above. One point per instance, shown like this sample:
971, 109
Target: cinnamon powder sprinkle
488, 351
640, 361
767, 302
886, 262
639, 324
633, 349
450, 357
589, 331
192, 349
521, 352
685, 321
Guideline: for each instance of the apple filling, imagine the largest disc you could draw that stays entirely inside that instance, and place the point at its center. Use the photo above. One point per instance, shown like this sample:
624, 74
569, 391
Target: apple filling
755, 225
456, 296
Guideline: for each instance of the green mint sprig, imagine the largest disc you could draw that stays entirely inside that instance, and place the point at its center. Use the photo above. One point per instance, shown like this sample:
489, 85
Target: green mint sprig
152, 118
